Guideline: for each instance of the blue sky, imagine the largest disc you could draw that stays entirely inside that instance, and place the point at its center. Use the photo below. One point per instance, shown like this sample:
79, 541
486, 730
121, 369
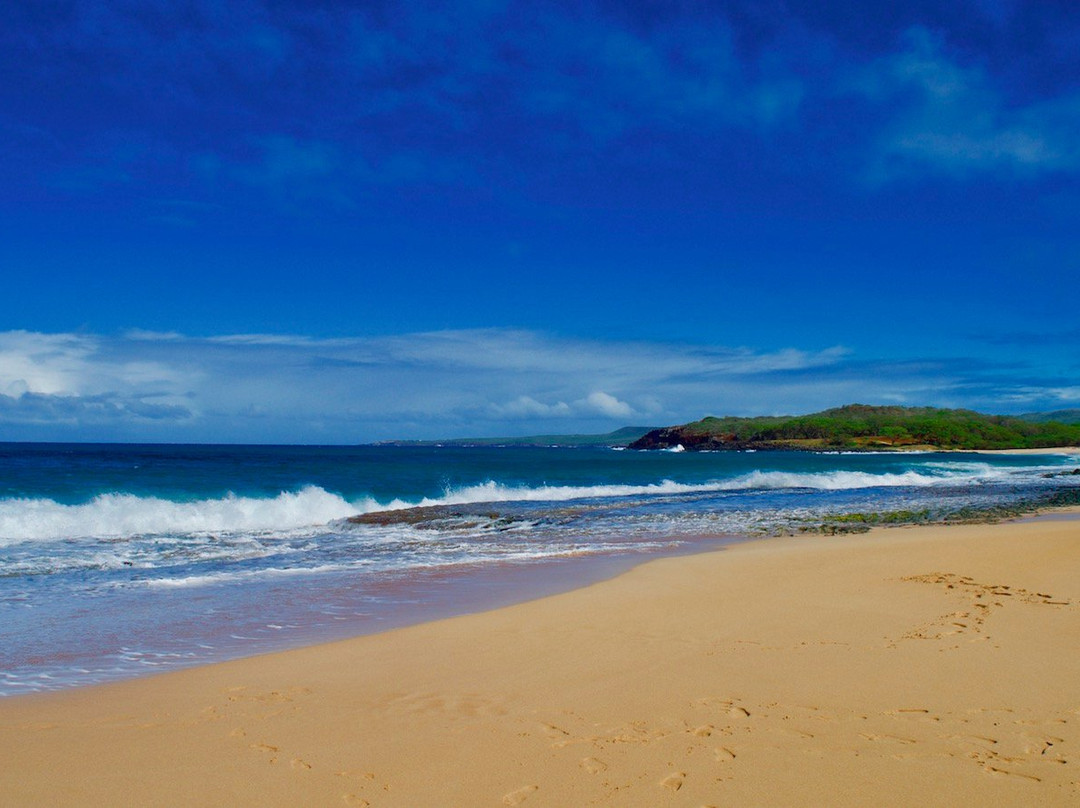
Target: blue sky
339, 222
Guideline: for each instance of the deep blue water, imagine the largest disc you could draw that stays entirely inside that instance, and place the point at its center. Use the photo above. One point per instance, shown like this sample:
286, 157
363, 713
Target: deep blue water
117, 560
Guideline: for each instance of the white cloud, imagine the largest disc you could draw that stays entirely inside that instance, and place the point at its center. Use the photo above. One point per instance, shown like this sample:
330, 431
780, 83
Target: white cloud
528, 406
608, 405
953, 120
85, 365
280, 387
52, 364
596, 403
1047, 396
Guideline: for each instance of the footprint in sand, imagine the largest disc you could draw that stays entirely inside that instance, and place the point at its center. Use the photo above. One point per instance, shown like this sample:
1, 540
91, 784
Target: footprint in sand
519, 796
593, 765
553, 731
723, 754
673, 781
1039, 745
884, 737
995, 770
300, 765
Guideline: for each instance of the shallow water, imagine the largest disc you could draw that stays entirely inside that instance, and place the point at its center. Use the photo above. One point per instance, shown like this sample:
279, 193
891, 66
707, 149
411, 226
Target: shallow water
120, 560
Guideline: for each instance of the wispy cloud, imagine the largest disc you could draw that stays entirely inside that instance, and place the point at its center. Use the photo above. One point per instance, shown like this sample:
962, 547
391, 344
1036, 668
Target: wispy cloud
950, 118
597, 403
1042, 397
686, 73
85, 365
70, 414
320, 102
147, 385
1067, 338
324, 100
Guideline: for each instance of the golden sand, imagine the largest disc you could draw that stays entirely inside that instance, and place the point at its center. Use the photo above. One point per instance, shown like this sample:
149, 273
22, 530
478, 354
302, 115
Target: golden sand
923, 666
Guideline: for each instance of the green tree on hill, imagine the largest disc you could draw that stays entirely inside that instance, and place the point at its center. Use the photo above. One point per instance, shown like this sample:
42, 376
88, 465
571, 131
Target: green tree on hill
865, 426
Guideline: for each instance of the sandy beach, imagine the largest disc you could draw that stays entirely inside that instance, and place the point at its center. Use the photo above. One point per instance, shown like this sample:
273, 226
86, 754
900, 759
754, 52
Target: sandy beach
916, 666
1062, 450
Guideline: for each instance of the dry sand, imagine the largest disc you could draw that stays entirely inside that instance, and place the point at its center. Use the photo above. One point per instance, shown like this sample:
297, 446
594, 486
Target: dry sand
924, 666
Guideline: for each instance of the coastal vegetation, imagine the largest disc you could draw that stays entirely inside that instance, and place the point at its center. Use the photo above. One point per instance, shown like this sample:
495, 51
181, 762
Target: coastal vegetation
861, 426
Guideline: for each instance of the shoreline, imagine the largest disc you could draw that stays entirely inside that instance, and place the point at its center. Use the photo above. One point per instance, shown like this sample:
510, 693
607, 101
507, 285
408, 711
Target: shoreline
1057, 450
885, 449
161, 601
425, 596
902, 666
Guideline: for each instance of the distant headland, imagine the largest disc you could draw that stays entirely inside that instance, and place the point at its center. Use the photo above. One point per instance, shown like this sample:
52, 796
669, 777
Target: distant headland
864, 427
852, 427
619, 438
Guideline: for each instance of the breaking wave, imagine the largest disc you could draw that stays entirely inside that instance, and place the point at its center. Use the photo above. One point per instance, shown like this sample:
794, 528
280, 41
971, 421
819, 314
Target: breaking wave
821, 481
119, 515
123, 515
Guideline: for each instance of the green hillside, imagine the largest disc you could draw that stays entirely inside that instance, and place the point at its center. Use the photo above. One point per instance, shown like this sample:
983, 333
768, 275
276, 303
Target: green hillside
860, 426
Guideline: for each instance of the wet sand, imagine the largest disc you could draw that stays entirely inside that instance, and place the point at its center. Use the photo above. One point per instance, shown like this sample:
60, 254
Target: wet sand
914, 666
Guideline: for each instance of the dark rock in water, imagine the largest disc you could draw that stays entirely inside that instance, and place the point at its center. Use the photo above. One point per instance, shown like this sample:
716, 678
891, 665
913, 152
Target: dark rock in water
436, 517
672, 436
402, 516
1053, 474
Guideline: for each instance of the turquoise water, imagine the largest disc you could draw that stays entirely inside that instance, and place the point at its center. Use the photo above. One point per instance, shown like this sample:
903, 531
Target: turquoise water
120, 560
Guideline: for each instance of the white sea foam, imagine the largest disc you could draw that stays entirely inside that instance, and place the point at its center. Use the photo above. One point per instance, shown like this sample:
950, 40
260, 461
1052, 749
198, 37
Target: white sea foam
823, 481
834, 480
126, 515
434, 558
247, 575
119, 515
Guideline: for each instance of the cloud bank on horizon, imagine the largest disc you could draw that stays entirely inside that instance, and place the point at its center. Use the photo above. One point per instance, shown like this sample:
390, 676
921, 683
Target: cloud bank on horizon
495, 217
145, 386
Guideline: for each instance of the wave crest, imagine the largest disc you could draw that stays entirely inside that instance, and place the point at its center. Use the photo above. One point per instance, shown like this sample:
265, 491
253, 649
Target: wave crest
118, 515
823, 481
122, 515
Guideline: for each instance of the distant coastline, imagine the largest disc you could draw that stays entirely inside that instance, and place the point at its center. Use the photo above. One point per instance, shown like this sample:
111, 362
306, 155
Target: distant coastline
861, 427
853, 427
620, 437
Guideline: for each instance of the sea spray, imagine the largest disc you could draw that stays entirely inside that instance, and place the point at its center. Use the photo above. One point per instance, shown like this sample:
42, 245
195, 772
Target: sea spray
115, 560
117, 514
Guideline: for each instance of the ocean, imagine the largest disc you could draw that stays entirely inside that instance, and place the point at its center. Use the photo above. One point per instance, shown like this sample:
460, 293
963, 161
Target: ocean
122, 560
